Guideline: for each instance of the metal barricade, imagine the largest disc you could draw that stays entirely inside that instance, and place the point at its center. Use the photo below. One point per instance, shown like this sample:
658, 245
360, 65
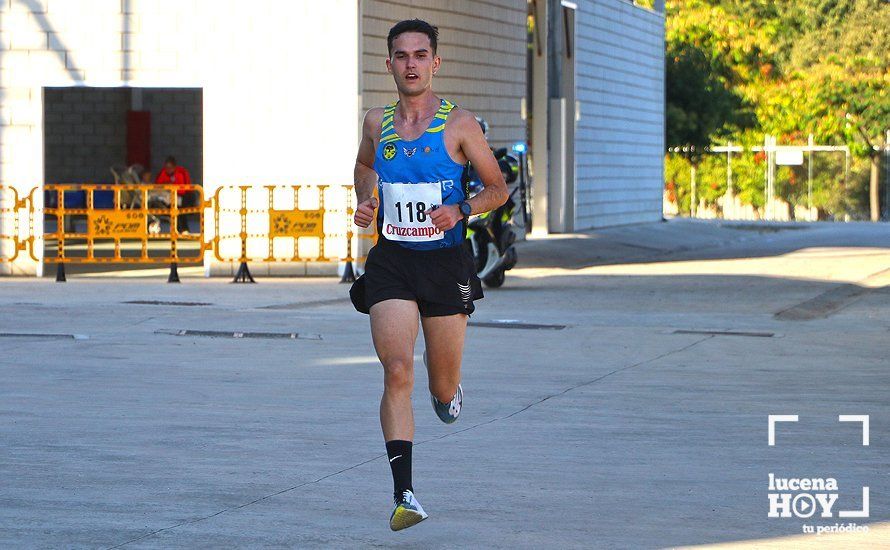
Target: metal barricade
283, 223
99, 223
11, 242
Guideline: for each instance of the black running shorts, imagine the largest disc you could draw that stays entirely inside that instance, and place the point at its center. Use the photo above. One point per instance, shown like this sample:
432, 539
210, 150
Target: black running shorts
442, 281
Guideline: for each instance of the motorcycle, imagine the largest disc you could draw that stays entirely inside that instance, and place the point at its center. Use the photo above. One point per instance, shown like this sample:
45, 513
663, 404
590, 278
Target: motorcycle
491, 236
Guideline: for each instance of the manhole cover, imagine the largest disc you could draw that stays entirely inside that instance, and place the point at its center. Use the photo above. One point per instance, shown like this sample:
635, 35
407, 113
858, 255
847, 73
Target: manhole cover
727, 333
508, 323
44, 335
763, 228
236, 334
163, 303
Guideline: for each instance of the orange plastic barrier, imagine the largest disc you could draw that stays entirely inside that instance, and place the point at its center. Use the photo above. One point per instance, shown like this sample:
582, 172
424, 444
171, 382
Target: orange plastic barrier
11, 242
125, 226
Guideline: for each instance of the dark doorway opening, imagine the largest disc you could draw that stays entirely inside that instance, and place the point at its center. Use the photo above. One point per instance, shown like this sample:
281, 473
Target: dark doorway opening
117, 136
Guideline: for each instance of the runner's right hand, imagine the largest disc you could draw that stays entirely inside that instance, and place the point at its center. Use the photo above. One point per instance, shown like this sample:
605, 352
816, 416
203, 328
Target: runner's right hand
364, 214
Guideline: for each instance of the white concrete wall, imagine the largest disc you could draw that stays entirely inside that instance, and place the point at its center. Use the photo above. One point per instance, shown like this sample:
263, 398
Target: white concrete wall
620, 136
482, 46
280, 86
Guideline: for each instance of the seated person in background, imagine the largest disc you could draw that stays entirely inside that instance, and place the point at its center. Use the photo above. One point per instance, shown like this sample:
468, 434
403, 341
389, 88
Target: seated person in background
156, 199
171, 173
177, 175
129, 198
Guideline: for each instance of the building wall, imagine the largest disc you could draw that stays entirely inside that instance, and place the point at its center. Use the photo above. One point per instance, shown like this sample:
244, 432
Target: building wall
85, 133
483, 49
268, 117
177, 124
620, 135
275, 112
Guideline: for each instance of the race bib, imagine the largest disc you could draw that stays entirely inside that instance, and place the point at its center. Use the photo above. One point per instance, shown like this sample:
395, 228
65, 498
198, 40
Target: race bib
404, 211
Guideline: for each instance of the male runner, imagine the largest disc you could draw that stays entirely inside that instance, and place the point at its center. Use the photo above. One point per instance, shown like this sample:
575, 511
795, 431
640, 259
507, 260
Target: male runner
414, 151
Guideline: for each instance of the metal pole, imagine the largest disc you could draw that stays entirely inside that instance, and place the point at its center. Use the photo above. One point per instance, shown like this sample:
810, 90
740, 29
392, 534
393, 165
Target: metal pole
523, 199
769, 177
729, 167
766, 178
772, 179
810, 178
729, 195
692, 199
886, 161
873, 184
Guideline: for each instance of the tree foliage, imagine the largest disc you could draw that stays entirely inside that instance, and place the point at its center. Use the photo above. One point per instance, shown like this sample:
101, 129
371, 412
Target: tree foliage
699, 107
739, 69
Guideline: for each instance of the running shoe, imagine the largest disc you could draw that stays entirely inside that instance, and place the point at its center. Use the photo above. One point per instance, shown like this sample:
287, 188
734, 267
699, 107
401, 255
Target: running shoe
407, 512
447, 412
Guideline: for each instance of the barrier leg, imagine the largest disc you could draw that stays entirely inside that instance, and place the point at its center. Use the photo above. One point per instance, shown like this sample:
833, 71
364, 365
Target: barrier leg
348, 274
348, 271
174, 274
60, 272
243, 275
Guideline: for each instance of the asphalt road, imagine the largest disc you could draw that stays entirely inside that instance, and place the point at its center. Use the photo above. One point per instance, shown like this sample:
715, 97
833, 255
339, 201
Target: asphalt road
637, 418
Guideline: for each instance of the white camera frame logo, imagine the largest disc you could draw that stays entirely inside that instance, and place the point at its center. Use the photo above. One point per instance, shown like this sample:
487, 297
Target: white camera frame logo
803, 504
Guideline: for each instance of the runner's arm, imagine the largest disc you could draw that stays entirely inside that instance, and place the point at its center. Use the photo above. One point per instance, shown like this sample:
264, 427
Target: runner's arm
364, 174
475, 148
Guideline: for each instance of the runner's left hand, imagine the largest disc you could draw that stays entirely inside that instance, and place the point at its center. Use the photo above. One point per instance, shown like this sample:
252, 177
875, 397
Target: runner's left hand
445, 217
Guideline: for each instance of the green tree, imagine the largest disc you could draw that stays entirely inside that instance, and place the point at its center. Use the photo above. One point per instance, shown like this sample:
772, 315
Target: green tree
698, 104
794, 68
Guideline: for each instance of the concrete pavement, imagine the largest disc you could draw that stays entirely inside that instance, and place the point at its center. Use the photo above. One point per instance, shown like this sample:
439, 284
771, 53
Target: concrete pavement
641, 424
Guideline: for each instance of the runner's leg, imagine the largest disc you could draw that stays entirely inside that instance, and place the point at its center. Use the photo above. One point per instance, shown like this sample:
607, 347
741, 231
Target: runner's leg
394, 331
444, 337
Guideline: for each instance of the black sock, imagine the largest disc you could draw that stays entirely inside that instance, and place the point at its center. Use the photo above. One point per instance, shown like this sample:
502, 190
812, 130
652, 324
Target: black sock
399, 453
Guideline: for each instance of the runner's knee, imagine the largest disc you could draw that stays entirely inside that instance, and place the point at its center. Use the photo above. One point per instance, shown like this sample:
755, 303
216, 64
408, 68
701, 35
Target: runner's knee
398, 375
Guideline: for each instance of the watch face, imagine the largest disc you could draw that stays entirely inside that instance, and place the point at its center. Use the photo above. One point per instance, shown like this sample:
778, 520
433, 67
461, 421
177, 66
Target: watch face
465, 208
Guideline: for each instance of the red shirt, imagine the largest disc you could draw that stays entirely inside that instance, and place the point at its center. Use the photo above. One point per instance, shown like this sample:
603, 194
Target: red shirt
180, 177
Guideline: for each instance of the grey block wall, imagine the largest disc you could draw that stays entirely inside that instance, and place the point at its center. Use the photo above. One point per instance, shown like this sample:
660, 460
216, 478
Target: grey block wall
85, 133
620, 136
177, 128
482, 46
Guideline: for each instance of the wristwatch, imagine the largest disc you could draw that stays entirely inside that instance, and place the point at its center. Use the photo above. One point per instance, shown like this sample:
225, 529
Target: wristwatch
465, 209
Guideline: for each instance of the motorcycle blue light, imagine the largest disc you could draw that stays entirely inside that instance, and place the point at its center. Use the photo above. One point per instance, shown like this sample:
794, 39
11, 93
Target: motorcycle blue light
519, 147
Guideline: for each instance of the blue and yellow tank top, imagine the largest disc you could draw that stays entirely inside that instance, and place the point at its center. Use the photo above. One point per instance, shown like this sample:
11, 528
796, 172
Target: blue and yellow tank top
415, 176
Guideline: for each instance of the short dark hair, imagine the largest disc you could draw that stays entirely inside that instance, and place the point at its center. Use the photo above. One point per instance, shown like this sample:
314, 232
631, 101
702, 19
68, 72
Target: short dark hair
171, 159
413, 25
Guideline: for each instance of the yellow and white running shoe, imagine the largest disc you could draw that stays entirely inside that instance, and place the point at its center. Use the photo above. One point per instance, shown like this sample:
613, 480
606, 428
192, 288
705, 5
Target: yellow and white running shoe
407, 512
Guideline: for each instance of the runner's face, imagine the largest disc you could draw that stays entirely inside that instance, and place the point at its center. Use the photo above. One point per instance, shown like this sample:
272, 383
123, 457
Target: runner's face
412, 63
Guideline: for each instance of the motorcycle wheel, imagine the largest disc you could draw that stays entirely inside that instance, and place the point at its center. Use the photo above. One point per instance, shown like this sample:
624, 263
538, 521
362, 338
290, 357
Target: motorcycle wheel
496, 279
